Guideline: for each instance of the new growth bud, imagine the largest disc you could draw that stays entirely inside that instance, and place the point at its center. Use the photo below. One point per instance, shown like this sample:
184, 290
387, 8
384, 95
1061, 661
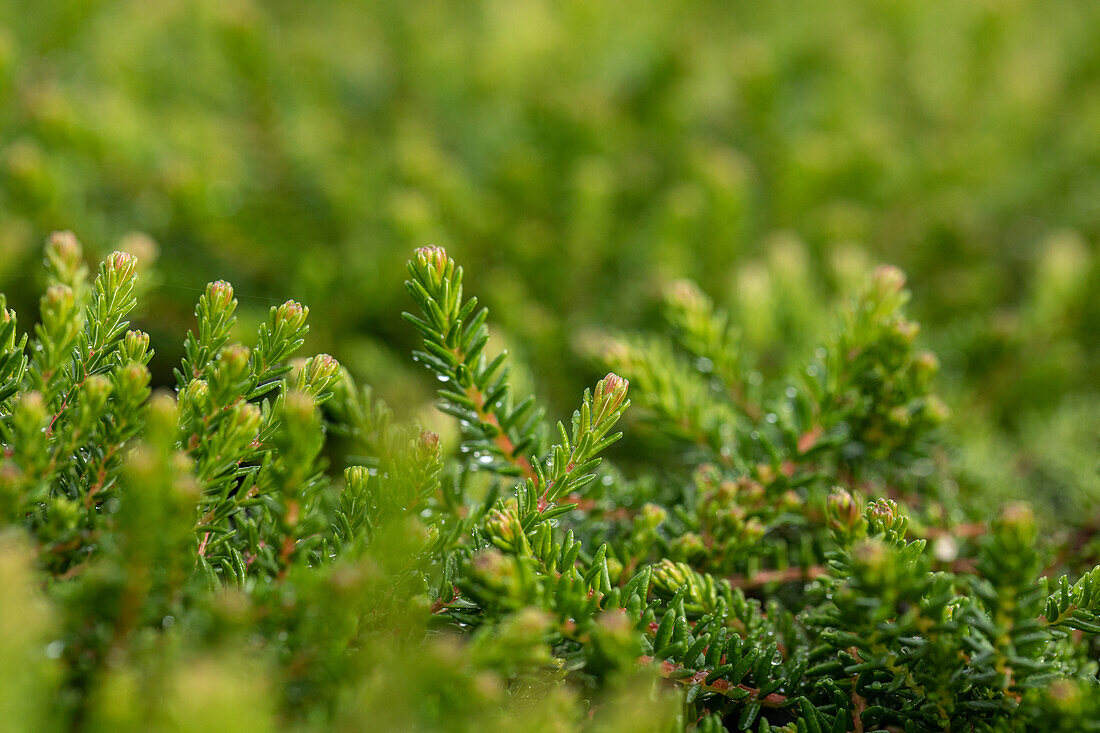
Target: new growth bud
234, 357
30, 413
669, 575
493, 570
64, 257
883, 511
1016, 524
137, 341
291, 314
161, 417
299, 411
317, 374
504, 528
650, 517
688, 546
132, 382
96, 389
1066, 695
246, 418
91, 401
609, 396
936, 410
121, 265
58, 297
888, 280
899, 416
906, 330
64, 247
845, 510
429, 442
432, 258
231, 372
195, 397
926, 364
356, 478
686, 295
753, 531
58, 317
870, 555
1017, 514
220, 295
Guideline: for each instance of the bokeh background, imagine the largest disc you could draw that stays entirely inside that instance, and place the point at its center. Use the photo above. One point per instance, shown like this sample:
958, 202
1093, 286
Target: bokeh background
579, 156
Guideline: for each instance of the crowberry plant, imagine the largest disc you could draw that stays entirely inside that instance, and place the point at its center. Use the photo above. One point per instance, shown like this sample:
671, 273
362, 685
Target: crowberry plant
266, 547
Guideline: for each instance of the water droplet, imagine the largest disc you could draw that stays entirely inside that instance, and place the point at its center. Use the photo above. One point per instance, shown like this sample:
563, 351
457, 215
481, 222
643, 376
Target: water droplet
771, 418
442, 377
791, 393
54, 649
485, 459
812, 370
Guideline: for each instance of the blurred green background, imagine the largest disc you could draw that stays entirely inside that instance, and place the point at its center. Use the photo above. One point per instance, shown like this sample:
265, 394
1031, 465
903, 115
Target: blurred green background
577, 157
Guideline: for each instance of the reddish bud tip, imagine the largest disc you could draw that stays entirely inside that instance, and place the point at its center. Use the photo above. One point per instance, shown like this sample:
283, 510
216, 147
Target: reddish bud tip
133, 377
686, 295
429, 441
136, 342
299, 407
927, 362
870, 554
96, 388
432, 257
32, 404
907, 330
652, 515
248, 417
611, 391
232, 364
59, 296
220, 294
935, 410
122, 264
884, 511
291, 313
888, 279
65, 247
1065, 694
1017, 514
197, 391
845, 510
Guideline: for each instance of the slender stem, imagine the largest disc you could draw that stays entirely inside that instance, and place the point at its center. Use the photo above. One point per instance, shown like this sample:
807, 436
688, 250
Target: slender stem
723, 687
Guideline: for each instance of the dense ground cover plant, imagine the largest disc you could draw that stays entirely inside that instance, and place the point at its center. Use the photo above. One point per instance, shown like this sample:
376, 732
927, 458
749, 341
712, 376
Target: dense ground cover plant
577, 156
265, 547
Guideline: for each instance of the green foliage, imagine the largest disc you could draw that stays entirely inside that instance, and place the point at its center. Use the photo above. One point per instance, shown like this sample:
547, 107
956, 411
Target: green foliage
268, 548
580, 156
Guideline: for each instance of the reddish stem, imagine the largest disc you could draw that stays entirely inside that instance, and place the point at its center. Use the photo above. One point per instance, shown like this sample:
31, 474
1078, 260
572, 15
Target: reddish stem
668, 669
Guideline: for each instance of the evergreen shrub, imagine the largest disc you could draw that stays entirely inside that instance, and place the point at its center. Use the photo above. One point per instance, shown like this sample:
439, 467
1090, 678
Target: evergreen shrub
266, 548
